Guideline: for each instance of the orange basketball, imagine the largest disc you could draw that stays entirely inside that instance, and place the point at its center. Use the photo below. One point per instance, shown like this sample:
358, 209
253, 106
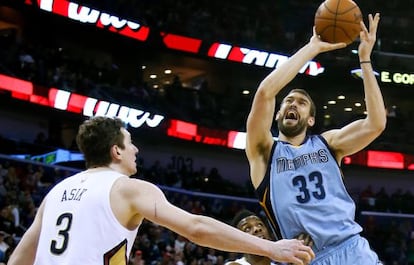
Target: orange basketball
338, 21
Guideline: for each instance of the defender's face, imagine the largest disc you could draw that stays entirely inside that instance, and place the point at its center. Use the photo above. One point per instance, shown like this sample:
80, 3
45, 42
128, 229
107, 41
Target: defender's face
129, 154
294, 117
254, 225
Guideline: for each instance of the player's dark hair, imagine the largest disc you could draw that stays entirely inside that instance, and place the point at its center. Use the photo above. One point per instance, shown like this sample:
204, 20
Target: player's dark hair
241, 215
95, 138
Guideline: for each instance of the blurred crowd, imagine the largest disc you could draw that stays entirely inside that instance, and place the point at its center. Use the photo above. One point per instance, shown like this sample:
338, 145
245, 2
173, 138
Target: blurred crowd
63, 68
265, 24
51, 65
262, 24
36, 56
399, 201
23, 185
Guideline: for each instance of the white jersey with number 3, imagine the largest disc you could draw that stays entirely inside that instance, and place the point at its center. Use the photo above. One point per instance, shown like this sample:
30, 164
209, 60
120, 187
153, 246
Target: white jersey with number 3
78, 225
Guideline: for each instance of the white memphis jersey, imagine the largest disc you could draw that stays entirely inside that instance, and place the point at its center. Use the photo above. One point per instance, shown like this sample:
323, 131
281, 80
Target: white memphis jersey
78, 225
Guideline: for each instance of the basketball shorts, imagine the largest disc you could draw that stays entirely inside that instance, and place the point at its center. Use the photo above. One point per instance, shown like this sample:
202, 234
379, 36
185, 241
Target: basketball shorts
354, 251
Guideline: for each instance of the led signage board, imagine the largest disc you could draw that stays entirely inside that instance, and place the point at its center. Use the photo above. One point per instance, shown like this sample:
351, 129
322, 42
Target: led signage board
397, 78
136, 118
135, 30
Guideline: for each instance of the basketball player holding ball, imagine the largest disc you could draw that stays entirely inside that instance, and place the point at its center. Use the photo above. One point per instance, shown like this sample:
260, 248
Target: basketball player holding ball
297, 176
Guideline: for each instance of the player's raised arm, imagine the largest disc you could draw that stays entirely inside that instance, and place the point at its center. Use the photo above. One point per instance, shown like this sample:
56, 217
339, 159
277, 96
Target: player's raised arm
360, 133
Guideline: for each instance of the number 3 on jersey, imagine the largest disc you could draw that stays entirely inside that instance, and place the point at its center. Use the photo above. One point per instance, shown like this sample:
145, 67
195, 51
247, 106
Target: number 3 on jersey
64, 222
310, 186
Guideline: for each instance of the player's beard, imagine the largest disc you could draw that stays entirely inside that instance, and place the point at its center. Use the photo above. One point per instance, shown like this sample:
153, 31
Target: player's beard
291, 130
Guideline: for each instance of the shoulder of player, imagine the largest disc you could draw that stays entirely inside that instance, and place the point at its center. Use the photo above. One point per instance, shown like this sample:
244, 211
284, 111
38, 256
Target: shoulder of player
132, 186
329, 135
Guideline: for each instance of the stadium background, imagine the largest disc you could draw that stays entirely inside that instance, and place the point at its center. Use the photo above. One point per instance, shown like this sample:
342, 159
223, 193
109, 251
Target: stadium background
52, 51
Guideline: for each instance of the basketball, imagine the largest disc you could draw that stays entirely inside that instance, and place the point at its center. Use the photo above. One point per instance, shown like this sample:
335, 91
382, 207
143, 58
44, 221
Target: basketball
338, 21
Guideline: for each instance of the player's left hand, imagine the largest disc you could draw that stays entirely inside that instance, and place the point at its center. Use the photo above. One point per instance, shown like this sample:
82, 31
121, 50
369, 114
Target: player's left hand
323, 46
368, 37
